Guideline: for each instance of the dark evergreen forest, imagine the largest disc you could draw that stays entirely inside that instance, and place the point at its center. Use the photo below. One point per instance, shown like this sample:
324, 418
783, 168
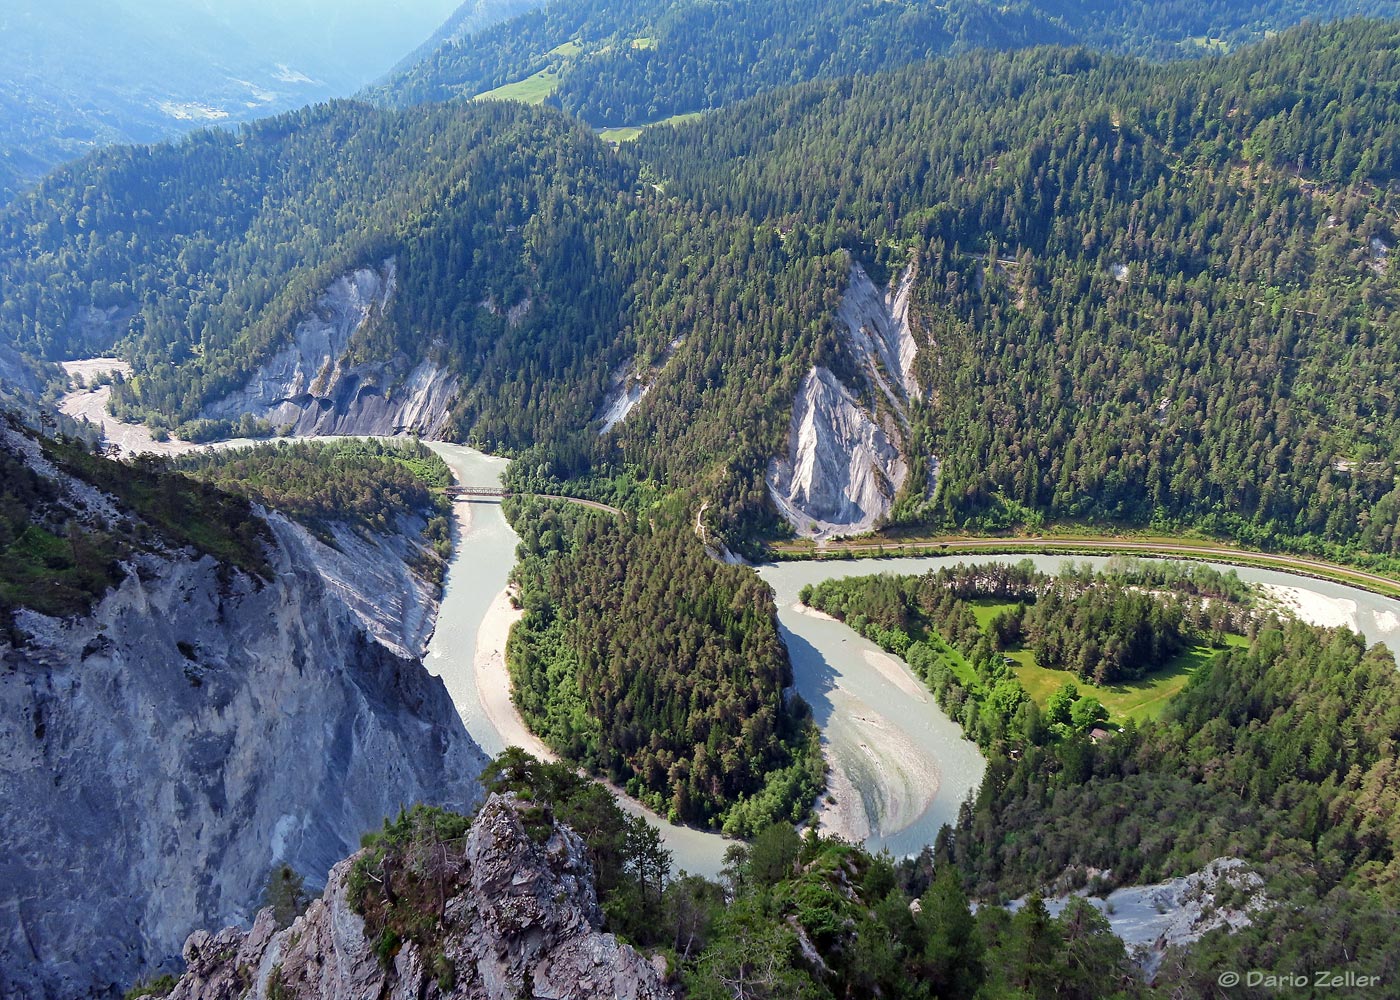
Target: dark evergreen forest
1153, 294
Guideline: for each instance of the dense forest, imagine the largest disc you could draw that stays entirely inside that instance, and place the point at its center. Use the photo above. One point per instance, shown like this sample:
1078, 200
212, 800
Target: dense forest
367, 483
1279, 751
1189, 263
1282, 753
1159, 295
792, 918
645, 660
651, 61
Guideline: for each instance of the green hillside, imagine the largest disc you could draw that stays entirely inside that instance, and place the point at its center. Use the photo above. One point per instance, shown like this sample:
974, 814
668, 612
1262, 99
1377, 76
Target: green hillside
1190, 260
627, 65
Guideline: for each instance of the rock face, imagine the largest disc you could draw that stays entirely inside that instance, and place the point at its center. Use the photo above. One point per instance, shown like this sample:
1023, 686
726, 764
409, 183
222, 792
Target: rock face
1152, 918
846, 460
629, 384
312, 388
842, 469
160, 755
877, 330
524, 923
626, 392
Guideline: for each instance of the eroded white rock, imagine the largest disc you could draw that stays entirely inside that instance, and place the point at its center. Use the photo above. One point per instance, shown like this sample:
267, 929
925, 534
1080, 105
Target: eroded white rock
846, 460
311, 388
842, 469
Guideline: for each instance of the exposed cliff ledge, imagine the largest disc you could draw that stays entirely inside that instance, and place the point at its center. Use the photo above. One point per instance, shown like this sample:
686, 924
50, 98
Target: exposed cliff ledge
629, 384
160, 754
842, 469
522, 921
877, 330
311, 387
846, 460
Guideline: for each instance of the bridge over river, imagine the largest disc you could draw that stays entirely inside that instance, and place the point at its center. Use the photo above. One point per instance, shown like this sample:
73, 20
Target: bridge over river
472, 494
469, 493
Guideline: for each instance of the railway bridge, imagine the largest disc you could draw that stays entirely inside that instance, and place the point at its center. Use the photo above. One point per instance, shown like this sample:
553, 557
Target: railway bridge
469, 493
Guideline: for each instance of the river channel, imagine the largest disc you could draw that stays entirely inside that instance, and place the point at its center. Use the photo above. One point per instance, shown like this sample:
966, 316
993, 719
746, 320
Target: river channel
899, 767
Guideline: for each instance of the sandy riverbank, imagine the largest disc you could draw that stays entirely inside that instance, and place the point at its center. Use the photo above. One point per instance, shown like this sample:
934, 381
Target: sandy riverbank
132, 439
1314, 608
897, 674
840, 811
810, 612
91, 405
493, 679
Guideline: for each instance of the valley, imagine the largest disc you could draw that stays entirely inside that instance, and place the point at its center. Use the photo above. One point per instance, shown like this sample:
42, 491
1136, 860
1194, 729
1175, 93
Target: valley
728, 500
899, 769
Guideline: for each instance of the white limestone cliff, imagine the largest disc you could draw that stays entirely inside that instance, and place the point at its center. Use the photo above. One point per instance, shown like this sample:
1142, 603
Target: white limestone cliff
842, 469
311, 387
160, 754
877, 330
846, 458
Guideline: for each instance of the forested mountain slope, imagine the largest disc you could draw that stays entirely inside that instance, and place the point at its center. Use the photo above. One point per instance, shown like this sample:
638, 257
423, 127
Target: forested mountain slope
616, 65
1143, 293
1146, 293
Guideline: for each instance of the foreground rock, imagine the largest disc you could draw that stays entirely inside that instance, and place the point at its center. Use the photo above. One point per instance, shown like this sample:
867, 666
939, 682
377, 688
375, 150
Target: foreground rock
523, 921
1151, 919
160, 754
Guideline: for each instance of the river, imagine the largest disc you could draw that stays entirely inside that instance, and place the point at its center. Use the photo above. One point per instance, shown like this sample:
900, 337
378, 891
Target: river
899, 767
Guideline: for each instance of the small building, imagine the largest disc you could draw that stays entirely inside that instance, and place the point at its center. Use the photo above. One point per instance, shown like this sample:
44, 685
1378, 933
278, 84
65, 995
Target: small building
1098, 734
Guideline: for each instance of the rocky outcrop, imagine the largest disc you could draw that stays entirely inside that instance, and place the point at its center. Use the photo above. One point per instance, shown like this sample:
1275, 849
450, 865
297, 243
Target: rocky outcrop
876, 325
1152, 918
846, 457
626, 392
629, 384
95, 329
15, 373
159, 755
842, 469
312, 387
523, 922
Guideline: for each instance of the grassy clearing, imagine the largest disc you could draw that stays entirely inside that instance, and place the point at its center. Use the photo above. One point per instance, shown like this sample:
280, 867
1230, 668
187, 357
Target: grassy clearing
1137, 700
1214, 46
644, 43
531, 90
626, 133
956, 662
986, 609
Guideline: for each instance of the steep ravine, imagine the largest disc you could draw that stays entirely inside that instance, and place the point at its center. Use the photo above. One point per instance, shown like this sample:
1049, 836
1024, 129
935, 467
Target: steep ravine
311, 387
847, 454
160, 754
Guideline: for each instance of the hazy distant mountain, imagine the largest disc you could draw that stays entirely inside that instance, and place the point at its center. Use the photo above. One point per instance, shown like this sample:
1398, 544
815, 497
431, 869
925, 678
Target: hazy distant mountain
79, 73
467, 20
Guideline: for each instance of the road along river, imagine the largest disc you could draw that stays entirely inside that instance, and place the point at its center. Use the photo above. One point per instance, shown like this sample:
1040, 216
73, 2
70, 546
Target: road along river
899, 767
